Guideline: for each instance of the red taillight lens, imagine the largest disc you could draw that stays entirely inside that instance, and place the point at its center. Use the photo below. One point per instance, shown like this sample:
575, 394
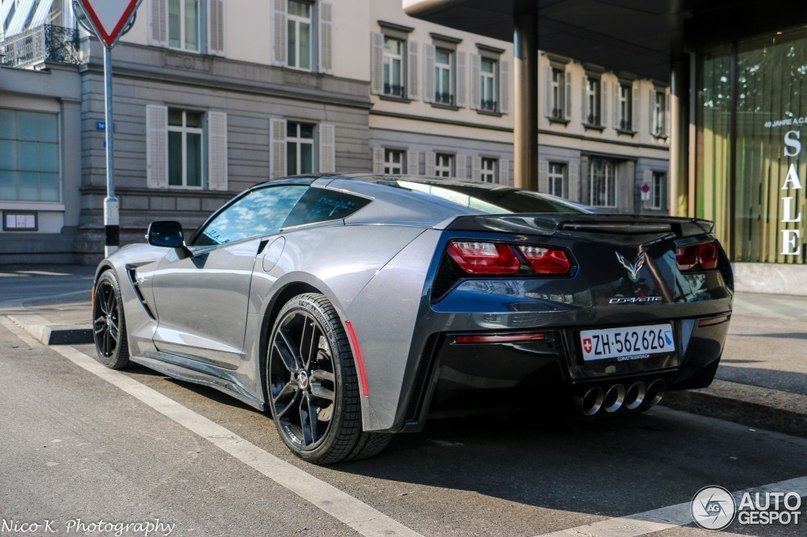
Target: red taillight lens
484, 257
702, 256
546, 260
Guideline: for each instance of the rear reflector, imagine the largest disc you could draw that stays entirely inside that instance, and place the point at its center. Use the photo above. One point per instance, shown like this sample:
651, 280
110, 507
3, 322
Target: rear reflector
698, 256
365, 389
546, 260
484, 257
502, 338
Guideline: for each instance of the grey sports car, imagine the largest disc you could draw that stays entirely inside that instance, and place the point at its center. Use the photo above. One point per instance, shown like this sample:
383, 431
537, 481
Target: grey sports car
352, 307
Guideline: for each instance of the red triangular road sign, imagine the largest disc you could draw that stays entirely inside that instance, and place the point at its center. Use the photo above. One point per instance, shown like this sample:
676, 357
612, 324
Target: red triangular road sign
108, 17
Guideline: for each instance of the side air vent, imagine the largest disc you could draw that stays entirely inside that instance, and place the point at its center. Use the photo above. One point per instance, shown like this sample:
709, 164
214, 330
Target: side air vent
131, 272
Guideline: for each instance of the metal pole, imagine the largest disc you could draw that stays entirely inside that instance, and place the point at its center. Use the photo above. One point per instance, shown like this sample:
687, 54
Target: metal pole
111, 217
525, 134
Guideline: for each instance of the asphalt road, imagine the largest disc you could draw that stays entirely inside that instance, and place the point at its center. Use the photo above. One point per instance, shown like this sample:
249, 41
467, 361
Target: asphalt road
76, 446
24, 286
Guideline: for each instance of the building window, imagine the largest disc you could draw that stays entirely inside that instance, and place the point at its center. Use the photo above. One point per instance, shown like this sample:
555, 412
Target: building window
489, 170
557, 179
593, 99
444, 165
488, 73
299, 24
29, 156
625, 107
558, 94
185, 151
659, 108
658, 190
393, 161
602, 183
443, 76
184, 23
393, 66
299, 148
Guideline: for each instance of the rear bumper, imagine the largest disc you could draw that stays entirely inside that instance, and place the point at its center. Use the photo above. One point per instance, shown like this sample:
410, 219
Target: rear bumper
457, 377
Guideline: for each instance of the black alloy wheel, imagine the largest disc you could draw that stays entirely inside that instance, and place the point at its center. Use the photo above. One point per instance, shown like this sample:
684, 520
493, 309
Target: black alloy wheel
312, 384
109, 327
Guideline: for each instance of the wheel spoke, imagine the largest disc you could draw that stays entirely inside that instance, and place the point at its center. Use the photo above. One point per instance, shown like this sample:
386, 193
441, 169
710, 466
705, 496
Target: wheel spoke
102, 299
307, 345
293, 352
321, 375
289, 389
110, 300
286, 357
281, 413
308, 420
322, 393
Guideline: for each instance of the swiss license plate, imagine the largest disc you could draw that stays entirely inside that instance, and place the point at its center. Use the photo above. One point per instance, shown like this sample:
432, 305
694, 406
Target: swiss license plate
627, 343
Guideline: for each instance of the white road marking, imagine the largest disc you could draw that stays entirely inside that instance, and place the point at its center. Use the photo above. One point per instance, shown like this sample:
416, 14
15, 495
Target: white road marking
358, 515
666, 517
21, 335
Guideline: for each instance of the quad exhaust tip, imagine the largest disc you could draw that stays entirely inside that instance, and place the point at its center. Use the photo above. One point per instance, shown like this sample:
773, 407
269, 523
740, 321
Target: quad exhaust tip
634, 396
637, 396
655, 393
614, 398
591, 402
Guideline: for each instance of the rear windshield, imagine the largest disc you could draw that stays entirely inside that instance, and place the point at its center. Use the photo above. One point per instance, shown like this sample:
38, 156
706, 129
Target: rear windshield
496, 200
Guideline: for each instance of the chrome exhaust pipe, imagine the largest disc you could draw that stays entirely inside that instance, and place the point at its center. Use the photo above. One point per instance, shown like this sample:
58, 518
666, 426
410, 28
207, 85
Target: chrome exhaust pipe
655, 393
591, 402
634, 396
614, 398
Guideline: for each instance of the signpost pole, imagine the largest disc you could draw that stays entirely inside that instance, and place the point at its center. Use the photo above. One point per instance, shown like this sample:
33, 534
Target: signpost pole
111, 216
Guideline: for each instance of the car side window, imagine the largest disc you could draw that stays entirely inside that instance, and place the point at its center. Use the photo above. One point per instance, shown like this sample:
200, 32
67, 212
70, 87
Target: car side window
261, 212
321, 204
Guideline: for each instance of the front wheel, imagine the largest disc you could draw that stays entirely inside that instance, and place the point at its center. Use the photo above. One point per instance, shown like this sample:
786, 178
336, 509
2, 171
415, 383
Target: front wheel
108, 323
312, 385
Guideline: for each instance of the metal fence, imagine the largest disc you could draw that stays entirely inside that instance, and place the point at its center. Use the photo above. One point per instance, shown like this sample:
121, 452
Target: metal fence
40, 45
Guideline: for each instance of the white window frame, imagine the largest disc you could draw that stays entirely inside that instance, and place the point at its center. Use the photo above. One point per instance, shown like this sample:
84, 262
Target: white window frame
593, 101
439, 68
297, 20
299, 140
659, 110
557, 175
184, 130
558, 85
489, 170
626, 110
389, 60
444, 165
183, 27
609, 178
391, 167
658, 189
492, 100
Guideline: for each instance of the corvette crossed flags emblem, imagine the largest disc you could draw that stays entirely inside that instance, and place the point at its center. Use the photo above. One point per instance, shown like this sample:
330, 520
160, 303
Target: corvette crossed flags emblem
633, 268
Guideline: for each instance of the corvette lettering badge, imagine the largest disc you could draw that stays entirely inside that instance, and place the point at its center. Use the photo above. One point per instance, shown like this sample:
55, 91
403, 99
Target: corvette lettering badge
633, 268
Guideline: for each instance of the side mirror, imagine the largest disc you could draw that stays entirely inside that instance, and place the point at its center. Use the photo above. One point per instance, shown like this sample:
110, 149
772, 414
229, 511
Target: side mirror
166, 234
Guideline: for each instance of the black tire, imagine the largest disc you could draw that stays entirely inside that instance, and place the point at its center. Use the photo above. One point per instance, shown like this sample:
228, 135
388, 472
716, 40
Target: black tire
108, 322
312, 386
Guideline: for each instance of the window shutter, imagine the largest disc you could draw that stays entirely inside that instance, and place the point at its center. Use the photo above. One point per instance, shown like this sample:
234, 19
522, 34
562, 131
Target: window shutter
428, 73
215, 27
543, 175
462, 80
666, 114
158, 12
327, 148
504, 87
635, 110
584, 102
430, 162
567, 103
548, 104
651, 116
277, 147
461, 167
377, 63
504, 172
476, 64
412, 70
573, 181
647, 179
615, 116
326, 37
413, 163
378, 160
279, 38
603, 103
476, 168
156, 146
217, 150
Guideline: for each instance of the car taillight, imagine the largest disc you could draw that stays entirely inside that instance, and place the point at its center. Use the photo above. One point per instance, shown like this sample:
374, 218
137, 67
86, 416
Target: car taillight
546, 260
702, 256
484, 257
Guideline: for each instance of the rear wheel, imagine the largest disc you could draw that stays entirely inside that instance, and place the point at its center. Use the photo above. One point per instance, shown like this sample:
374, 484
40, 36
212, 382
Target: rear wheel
312, 385
109, 325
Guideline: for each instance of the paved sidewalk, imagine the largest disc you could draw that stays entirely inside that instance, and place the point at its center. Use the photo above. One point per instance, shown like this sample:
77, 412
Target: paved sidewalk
761, 382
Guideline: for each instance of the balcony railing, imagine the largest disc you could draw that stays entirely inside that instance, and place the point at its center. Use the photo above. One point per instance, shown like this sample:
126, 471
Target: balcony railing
43, 44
